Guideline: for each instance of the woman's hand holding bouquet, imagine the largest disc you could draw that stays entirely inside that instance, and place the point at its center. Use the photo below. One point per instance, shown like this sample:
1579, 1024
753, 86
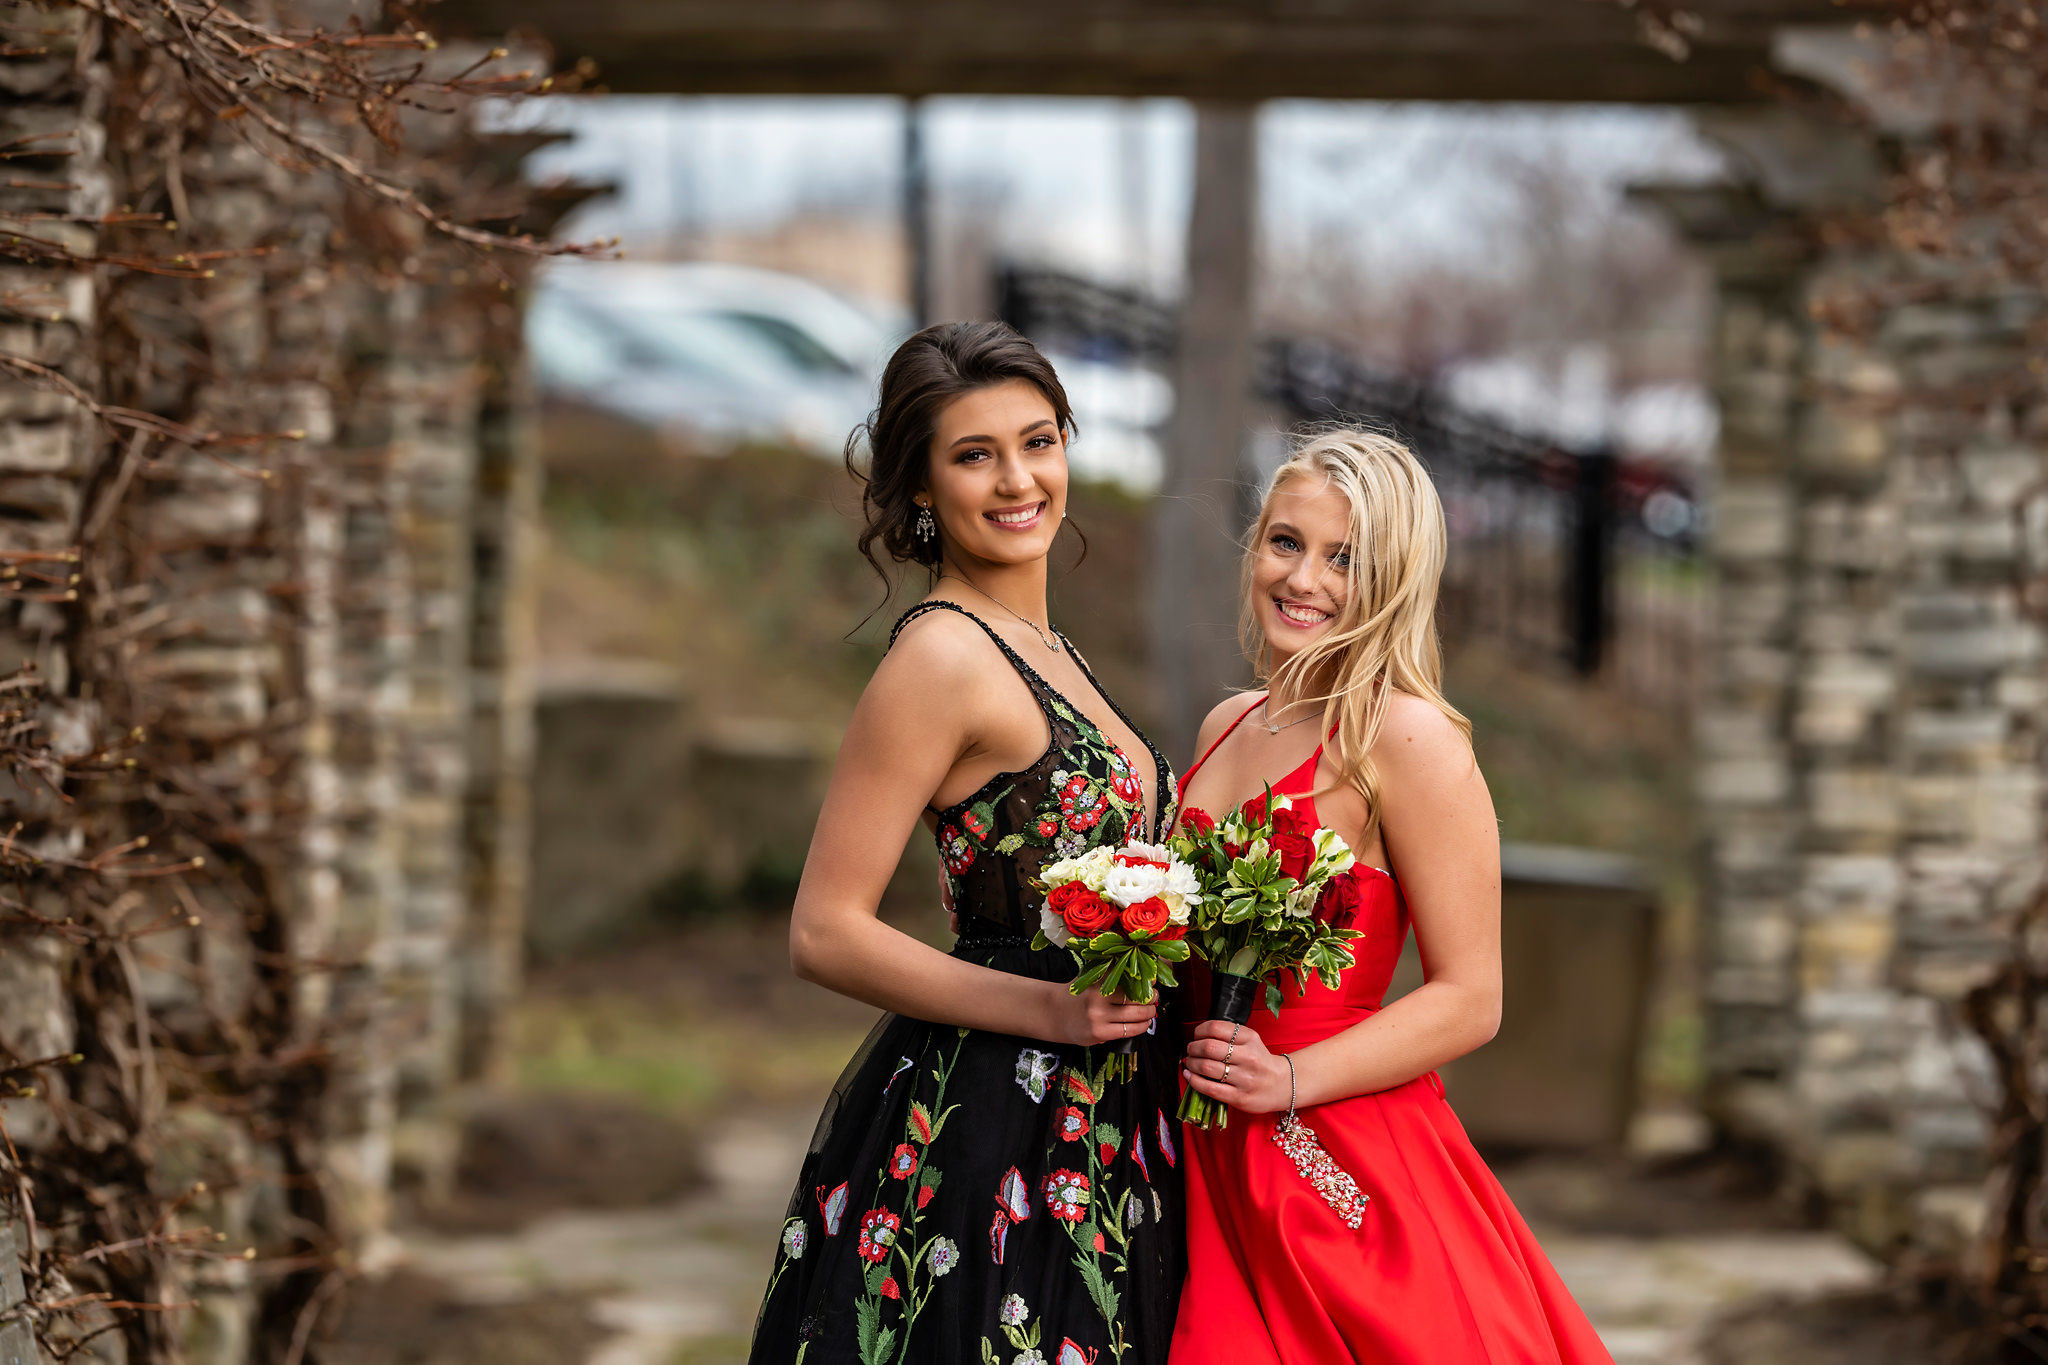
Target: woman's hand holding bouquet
1123, 913
1275, 899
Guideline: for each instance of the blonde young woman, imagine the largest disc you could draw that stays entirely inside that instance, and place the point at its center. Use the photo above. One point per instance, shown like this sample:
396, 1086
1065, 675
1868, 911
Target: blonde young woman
1423, 1259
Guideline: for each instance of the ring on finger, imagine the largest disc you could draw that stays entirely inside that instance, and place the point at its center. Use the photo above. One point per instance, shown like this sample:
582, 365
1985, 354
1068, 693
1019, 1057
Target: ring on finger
1224, 1079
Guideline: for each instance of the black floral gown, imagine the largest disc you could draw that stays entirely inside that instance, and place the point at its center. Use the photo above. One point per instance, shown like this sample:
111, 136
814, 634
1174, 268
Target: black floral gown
975, 1198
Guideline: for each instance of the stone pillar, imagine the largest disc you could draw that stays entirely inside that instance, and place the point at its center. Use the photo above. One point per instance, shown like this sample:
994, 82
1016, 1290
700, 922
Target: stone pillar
1747, 787
1871, 757
498, 811
55, 112
437, 406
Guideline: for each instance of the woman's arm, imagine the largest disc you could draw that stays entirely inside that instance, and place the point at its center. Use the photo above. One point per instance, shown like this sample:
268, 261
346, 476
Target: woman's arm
913, 723
1441, 836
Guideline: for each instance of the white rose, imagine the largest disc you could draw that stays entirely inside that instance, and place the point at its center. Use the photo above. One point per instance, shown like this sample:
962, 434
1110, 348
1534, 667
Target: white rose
1129, 885
1182, 881
1176, 906
1055, 928
1094, 865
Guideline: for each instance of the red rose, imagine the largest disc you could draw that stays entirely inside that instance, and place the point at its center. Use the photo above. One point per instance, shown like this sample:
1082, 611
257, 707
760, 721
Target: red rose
1171, 933
1085, 913
1292, 821
1342, 896
1233, 850
1148, 916
1197, 823
1296, 852
1254, 810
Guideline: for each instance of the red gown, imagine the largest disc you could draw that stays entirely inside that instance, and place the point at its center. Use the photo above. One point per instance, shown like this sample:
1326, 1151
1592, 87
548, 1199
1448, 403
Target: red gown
1442, 1271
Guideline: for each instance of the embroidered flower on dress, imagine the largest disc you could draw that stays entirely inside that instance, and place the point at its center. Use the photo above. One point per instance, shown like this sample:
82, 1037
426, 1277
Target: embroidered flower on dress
954, 850
1014, 1310
1066, 1195
903, 1162
1134, 1210
1073, 1124
877, 1234
1030, 1355
945, 1254
794, 1237
1034, 1069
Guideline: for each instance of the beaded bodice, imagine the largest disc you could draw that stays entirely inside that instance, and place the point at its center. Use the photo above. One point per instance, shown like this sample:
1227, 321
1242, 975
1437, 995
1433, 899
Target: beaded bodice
1082, 792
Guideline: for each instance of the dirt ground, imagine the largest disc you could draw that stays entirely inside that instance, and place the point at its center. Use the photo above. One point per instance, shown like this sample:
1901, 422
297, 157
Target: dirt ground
619, 1206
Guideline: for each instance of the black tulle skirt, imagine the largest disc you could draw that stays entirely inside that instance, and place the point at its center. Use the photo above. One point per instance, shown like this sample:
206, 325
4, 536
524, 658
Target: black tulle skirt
975, 1197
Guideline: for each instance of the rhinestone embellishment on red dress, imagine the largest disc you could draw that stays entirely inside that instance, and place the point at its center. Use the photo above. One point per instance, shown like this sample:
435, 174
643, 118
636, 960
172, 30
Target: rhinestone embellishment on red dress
1321, 1170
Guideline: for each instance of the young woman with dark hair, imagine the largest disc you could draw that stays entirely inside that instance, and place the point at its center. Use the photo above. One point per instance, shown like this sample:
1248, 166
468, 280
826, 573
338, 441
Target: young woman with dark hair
980, 1188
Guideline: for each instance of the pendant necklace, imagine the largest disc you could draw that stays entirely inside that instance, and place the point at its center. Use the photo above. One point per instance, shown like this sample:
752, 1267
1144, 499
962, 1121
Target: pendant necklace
1051, 642
1270, 726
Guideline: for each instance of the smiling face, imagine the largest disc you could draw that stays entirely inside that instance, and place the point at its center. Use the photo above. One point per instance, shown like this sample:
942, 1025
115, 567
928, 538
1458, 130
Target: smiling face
1302, 565
998, 475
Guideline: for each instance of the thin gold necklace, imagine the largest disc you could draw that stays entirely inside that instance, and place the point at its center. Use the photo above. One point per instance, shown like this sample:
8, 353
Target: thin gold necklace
1051, 642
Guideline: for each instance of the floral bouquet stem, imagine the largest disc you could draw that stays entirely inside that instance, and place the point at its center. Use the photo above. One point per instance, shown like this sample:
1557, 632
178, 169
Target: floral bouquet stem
1231, 998
1274, 890
1122, 913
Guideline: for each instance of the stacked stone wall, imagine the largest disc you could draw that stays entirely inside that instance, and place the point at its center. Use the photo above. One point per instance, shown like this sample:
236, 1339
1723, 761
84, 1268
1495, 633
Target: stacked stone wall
261, 656
1871, 742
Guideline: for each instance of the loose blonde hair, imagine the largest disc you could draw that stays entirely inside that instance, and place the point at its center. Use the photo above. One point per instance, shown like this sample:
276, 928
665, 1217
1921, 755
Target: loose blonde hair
1385, 637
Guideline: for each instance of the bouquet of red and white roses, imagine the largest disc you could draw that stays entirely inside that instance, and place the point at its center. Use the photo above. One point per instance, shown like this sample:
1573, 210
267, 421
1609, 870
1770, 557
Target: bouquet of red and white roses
1123, 913
1277, 895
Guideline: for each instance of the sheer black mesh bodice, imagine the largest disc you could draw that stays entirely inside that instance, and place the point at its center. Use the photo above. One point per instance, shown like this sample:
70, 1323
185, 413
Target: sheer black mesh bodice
974, 1197
1083, 791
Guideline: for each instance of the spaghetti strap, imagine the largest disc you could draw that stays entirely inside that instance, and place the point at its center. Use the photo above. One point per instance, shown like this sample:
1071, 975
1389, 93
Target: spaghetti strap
1188, 776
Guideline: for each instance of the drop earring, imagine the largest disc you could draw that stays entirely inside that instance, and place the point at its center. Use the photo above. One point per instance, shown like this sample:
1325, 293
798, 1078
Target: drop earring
926, 528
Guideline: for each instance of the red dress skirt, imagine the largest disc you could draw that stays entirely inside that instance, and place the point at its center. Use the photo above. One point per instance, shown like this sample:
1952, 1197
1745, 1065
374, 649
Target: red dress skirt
1442, 1271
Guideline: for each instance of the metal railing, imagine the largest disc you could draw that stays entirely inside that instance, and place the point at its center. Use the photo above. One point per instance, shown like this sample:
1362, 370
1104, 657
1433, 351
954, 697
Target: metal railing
1576, 556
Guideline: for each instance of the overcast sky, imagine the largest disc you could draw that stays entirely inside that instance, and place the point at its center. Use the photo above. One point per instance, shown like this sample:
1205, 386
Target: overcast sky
1103, 185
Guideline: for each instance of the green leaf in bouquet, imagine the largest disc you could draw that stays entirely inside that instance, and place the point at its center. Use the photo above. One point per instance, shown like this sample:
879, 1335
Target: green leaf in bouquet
1272, 997
1107, 941
1143, 965
1172, 950
1039, 942
1091, 975
1166, 976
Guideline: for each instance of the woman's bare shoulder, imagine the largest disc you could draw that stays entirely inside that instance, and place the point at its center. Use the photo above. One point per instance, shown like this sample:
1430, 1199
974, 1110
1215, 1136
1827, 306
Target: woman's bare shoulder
1417, 737
938, 656
1220, 717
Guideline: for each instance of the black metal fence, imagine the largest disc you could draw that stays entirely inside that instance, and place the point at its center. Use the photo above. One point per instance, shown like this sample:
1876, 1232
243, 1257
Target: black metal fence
1582, 557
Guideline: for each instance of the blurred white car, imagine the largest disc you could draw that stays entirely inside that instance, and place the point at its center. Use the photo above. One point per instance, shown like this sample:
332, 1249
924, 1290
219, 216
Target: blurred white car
725, 354
729, 355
